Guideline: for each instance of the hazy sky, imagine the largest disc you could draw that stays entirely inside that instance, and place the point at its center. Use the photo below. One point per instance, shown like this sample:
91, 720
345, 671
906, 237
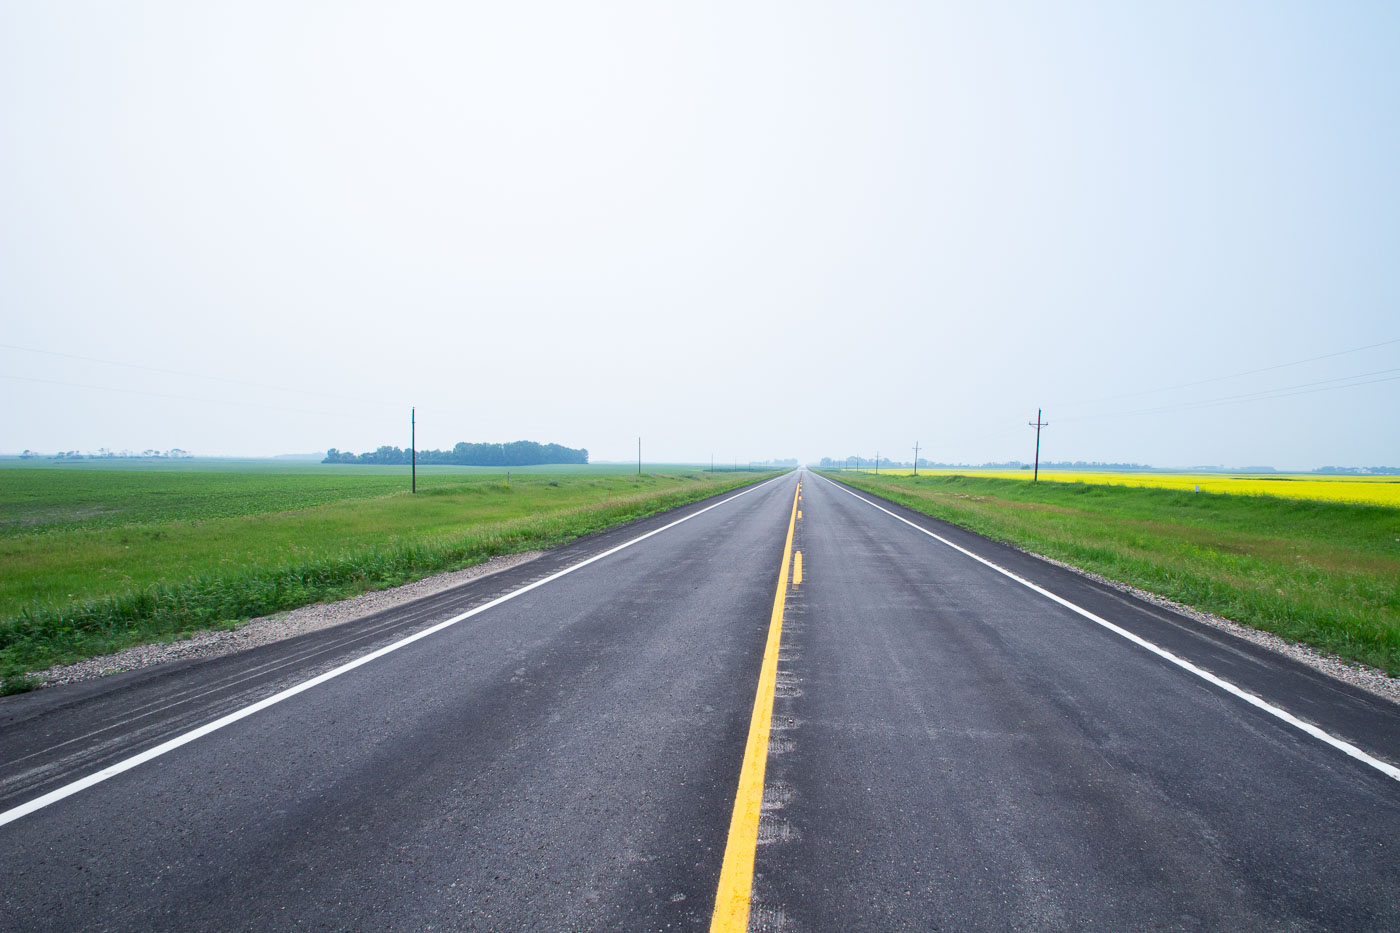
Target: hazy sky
751, 230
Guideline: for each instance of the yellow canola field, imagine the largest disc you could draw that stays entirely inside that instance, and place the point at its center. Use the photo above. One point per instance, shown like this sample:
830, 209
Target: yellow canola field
1369, 490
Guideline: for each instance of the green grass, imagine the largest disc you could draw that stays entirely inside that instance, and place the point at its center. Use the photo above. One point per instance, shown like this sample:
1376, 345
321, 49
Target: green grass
95, 560
1327, 574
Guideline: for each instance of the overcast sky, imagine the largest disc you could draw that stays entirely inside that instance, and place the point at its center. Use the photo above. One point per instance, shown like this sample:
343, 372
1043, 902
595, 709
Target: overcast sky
750, 230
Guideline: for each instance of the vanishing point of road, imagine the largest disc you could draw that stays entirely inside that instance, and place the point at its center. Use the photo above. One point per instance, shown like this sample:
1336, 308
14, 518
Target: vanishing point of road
795, 708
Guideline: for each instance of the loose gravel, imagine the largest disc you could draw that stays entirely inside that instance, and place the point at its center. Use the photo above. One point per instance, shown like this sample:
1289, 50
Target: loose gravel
268, 629
1371, 679
295, 622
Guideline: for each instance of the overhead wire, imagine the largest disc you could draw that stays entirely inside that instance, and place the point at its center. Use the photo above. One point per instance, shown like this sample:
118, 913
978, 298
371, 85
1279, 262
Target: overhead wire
236, 402
1247, 372
169, 395
1305, 388
176, 372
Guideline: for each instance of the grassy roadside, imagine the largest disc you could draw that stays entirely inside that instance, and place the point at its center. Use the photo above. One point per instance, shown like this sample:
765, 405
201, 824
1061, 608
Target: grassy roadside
77, 585
1323, 573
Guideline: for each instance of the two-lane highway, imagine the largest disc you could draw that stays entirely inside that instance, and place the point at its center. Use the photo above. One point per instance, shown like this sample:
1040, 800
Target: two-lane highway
924, 740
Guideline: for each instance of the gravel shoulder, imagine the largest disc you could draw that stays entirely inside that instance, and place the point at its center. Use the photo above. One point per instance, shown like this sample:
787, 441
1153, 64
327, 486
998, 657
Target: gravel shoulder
268, 629
1371, 679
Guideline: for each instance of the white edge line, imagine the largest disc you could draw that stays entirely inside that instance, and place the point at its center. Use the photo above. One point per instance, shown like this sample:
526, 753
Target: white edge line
1381, 766
82, 784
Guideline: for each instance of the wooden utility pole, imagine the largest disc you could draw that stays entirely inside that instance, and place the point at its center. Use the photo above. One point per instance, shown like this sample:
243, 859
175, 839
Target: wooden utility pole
1037, 424
413, 444
639, 456
916, 458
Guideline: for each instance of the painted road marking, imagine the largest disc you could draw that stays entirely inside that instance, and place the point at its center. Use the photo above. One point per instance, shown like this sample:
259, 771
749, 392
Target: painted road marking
68, 790
1257, 702
736, 875
797, 568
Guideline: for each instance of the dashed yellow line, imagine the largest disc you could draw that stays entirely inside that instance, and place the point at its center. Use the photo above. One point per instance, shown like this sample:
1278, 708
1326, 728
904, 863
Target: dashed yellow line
736, 874
797, 568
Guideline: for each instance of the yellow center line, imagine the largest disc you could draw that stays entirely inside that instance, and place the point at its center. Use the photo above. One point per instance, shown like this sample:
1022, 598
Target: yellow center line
736, 874
797, 568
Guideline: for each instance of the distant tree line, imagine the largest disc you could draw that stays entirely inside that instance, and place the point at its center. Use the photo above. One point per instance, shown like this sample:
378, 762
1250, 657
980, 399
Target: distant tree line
1360, 471
103, 453
516, 453
867, 463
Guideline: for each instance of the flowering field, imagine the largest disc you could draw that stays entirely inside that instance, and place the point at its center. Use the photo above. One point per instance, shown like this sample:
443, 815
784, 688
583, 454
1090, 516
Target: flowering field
1369, 490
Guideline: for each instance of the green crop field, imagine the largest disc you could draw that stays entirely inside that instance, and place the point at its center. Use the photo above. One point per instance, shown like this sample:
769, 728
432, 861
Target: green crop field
1323, 573
93, 559
90, 493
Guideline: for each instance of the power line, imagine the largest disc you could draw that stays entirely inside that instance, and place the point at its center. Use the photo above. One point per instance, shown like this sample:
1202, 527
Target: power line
1303, 388
1248, 372
1282, 394
181, 398
177, 372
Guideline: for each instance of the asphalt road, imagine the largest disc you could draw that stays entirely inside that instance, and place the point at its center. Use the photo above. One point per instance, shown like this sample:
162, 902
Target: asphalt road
950, 749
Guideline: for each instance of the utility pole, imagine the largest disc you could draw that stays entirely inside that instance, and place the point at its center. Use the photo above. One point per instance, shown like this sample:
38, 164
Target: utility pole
639, 456
916, 458
877, 463
1037, 424
712, 463
413, 444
